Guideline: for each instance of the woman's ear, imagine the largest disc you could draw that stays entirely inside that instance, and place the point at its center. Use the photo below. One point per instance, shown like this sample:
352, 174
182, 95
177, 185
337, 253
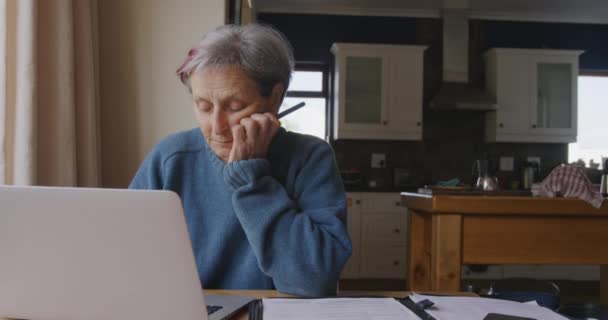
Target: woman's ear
276, 96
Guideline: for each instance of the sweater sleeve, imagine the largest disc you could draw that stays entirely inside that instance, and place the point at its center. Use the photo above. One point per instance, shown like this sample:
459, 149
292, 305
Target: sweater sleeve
301, 243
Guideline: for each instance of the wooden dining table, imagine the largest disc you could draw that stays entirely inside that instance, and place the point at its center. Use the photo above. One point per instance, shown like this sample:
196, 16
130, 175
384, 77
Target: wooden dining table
447, 231
243, 314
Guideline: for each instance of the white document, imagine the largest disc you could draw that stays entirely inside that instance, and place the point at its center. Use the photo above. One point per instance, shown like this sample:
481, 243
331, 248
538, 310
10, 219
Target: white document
336, 309
466, 308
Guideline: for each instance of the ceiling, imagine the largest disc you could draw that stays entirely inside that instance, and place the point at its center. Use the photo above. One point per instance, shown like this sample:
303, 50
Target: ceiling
576, 11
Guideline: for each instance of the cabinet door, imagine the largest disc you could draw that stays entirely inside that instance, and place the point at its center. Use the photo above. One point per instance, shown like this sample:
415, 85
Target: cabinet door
513, 94
404, 114
386, 202
383, 236
363, 99
384, 228
387, 262
554, 97
353, 218
378, 92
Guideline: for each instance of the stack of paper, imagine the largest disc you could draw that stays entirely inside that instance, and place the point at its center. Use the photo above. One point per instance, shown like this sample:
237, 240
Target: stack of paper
444, 308
336, 309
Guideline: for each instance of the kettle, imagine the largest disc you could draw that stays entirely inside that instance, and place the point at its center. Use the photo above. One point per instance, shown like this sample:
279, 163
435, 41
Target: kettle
485, 182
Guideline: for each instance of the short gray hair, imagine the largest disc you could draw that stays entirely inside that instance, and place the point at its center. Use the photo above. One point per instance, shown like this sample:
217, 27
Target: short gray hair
261, 52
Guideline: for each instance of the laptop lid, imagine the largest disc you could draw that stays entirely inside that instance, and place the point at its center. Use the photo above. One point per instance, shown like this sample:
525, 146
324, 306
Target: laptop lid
74, 253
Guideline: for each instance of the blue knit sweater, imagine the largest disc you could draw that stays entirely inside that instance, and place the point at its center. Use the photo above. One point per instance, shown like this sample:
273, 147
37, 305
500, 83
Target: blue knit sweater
262, 223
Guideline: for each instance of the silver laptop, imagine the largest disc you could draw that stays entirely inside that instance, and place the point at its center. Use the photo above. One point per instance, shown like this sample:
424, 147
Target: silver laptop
87, 254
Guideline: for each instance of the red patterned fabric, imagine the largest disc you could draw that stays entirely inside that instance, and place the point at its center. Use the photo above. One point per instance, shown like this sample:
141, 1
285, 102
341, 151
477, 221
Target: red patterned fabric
569, 182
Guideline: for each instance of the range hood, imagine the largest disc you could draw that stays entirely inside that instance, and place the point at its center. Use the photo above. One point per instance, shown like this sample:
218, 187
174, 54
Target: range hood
455, 92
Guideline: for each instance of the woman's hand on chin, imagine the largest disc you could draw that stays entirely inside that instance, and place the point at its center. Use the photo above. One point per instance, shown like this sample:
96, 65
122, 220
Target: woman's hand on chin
252, 136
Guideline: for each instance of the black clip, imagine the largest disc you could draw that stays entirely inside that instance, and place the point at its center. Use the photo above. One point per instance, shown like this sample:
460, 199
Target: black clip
425, 304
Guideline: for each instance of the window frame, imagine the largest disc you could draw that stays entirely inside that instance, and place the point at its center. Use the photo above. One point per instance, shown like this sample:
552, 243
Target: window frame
324, 93
593, 73
585, 73
311, 66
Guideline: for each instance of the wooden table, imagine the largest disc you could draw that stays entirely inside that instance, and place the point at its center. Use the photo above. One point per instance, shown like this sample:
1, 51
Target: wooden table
447, 231
243, 314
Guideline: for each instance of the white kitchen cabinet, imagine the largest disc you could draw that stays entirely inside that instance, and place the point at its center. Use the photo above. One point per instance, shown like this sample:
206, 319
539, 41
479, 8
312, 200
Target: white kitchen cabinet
384, 228
378, 91
353, 219
536, 93
384, 262
377, 225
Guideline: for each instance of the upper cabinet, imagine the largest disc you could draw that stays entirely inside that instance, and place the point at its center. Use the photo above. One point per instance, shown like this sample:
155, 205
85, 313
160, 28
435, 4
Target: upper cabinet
378, 91
536, 92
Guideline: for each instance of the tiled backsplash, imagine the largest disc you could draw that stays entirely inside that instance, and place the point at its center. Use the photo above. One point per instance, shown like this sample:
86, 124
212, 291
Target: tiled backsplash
447, 152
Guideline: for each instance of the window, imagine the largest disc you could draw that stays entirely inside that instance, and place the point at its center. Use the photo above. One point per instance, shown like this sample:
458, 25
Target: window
592, 142
309, 85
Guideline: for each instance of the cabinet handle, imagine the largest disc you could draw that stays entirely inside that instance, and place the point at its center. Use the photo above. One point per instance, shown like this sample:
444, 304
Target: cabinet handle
500, 125
419, 123
533, 126
384, 122
358, 201
397, 203
397, 231
396, 263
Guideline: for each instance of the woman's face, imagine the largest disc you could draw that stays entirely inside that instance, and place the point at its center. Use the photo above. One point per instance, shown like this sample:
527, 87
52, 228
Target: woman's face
222, 97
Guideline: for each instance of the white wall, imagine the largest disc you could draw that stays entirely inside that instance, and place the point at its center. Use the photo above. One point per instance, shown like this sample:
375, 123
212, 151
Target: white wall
141, 44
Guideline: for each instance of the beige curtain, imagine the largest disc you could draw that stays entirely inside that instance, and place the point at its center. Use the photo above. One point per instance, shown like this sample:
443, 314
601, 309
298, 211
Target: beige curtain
49, 131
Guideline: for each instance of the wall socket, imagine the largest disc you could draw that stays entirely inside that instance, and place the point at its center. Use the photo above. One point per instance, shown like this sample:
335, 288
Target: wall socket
378, 160
506, 164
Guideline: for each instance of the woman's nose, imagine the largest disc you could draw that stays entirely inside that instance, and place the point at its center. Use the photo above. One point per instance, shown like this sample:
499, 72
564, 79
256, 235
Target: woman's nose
219, 121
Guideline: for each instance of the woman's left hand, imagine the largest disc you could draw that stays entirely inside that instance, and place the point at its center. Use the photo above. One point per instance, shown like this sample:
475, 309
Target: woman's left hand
252, 136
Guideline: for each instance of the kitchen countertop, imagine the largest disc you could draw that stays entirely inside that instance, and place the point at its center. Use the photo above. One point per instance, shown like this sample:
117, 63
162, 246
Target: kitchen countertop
384, 189
473, 204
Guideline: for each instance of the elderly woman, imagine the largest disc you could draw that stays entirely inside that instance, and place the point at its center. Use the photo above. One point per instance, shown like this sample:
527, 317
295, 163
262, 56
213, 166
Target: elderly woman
265, 207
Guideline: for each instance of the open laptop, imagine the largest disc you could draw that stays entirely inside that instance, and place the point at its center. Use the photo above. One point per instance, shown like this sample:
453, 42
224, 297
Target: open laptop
88, 254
